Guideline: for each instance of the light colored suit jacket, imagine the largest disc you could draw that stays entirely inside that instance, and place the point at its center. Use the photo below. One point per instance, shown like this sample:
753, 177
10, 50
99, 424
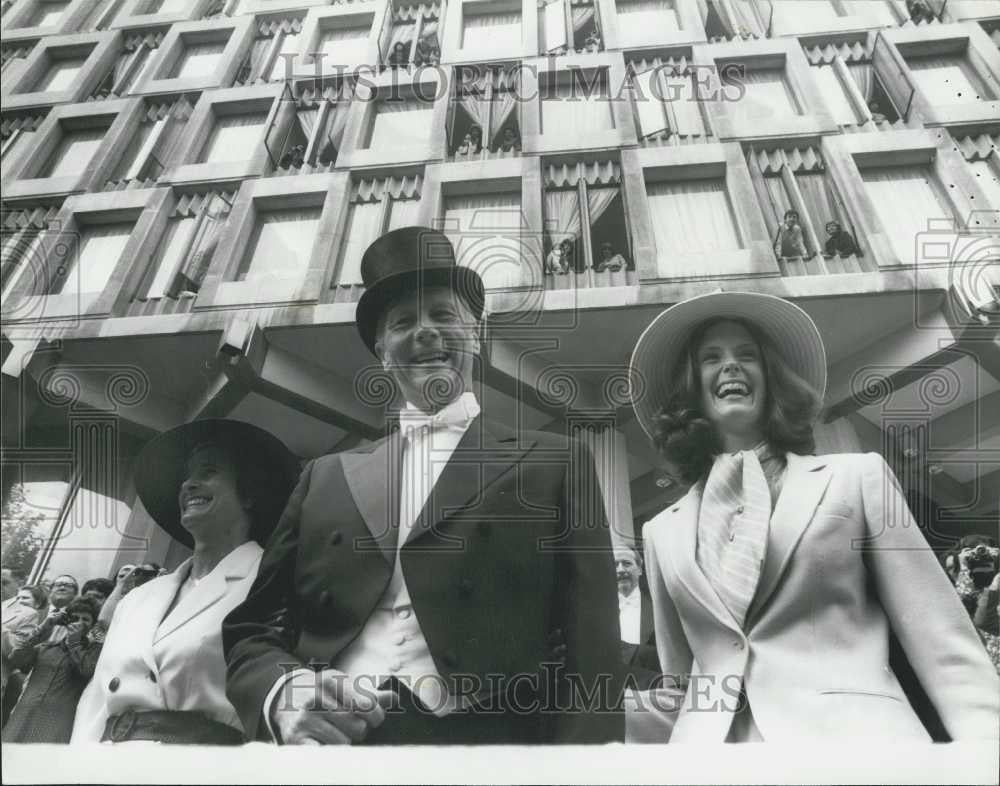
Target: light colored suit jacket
174, 665
845, 563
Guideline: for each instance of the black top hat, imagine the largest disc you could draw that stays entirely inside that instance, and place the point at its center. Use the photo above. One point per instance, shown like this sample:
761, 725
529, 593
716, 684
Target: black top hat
160, 470
403, 260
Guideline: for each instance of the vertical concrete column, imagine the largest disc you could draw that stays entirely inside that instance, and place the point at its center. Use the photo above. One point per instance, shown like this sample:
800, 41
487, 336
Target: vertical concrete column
607, 450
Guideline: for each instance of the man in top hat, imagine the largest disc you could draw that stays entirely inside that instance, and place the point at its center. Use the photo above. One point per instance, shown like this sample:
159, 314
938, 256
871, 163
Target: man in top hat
451, 583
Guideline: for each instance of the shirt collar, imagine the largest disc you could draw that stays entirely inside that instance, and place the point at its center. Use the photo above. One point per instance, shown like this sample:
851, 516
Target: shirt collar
458, 414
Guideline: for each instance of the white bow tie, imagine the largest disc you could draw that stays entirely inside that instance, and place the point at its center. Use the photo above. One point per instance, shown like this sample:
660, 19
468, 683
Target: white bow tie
457, 415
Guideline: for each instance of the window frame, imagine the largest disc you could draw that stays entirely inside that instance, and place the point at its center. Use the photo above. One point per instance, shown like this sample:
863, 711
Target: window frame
452, 49
347, 16
132, 14
76, 12
692, 28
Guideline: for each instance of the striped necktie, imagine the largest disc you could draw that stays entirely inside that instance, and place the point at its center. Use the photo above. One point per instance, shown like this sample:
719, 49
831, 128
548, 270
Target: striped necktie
732, 528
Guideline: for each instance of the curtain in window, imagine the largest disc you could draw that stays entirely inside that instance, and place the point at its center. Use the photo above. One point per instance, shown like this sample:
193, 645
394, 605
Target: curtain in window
344, 47
61, 74
692, 217
491, 31
744, 20
284, 242
285, 55
364, 221
100, 248
876, 11
863, 76
174, 246
987, 174
213, 219
832, 91
401, 122
504, 104
401, 33
947, 79
641, 20
792, 15
485, 231
683, 107
199, 59
581, 15
821, 203
905, 199
598, 200
562, 215
767, 96
234, 138
572, 107
403, 213
74, 152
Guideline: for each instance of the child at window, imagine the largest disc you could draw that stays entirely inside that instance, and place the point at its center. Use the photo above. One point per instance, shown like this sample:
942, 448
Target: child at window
789, 242
510, 142
610, 260
555, 264
838, 242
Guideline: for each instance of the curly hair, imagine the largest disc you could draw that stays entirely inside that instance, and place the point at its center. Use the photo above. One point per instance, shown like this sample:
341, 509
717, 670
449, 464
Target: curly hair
85, 605
685, 437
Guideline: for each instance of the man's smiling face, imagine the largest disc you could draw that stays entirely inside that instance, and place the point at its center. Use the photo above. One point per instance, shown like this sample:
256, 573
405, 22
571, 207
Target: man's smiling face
428, 340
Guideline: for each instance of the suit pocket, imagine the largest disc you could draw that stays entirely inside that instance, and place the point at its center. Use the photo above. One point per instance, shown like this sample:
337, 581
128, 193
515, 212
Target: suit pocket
871, 693
835, 509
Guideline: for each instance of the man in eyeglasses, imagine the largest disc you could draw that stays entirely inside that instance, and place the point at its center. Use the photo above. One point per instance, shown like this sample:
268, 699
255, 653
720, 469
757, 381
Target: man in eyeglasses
64, 590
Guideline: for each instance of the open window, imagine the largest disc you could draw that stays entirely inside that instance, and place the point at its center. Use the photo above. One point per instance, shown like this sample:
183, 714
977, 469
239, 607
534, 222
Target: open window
578, 99
414, 35
313, 139
843, 72
22, 231
134, 58
272, 55
585, 223
154, 144
483, 120
377, 205
569, 25
886, 84
665, 102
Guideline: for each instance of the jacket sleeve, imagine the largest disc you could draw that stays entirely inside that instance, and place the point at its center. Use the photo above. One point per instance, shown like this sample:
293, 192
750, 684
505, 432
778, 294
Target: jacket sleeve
592, 683
260, 634
925, 612
987, 614
83, 654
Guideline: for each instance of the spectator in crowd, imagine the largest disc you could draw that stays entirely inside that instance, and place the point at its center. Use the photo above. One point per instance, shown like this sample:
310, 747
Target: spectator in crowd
59, 671
19, 621
876, 112
64, 590
97, 590
610, 260
789, 242
468, 147
570, 260
919, 11
839, 242
635, 615
476, 132
977, 559
754, 567
554, 262
510, 142
217, 486
294, 157
400, 55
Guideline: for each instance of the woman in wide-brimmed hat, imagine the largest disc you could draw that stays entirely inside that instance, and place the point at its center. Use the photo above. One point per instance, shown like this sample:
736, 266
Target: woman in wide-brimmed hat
217, 486
777, 578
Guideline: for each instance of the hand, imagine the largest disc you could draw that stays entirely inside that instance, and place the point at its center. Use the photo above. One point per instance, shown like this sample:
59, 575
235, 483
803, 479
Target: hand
326, 708
125, 574
995, 584
963, 558
77, 628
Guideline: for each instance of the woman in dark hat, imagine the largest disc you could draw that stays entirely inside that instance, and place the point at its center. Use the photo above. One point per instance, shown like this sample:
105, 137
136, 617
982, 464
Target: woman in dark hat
780, 573
217, 486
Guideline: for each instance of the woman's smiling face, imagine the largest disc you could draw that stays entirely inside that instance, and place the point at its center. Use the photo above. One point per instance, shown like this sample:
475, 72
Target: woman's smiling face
730, 371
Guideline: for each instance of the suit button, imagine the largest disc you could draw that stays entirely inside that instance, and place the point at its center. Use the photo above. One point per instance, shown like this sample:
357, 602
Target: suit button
113, 685
324, 598
337, 537
465, 588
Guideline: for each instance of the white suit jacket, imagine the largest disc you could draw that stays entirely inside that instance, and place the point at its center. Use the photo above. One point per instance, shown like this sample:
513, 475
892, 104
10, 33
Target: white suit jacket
845, 562
176, 665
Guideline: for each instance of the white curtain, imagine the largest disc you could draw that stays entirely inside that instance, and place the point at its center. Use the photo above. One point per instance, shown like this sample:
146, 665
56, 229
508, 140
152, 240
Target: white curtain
284, 59
100, 248
862, 74
644, 20
683, 107
74, 152
692, 217
562, 215
987, 174
307, 120
947, 79
401, 122
876, 11
337, 121
346, 47
504, 104
61, 74
832, 91
199, 59
767, 96
490, 32
284, 242
598, 200
799, 15
403, 213
905, 200
486, 233
572, 107
363, 226
234, 138
744, 19
649, 107
581, 15
173, 245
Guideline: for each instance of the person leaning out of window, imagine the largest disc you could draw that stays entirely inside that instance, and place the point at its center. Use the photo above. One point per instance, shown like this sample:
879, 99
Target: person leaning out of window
789, 242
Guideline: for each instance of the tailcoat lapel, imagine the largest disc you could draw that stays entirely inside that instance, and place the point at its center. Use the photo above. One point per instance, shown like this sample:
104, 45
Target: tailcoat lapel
368, 477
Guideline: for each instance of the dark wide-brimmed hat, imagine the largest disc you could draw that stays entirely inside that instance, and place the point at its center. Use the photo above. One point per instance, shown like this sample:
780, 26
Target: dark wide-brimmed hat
407, 259
160, 470
790, 329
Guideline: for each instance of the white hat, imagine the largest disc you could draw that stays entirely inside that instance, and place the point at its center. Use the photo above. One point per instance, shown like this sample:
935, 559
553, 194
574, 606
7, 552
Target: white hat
656, 353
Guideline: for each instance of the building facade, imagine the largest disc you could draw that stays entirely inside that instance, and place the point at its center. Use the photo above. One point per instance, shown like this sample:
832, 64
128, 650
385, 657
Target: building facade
188, 187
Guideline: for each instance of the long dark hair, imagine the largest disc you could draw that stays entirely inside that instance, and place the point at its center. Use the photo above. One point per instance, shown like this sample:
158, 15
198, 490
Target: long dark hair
688, 439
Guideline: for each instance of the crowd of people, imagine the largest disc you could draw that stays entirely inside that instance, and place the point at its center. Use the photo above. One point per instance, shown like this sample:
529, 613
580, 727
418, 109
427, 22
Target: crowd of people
562, 259
410, 592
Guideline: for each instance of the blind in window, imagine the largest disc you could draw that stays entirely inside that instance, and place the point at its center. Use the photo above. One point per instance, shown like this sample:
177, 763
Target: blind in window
100, 248
692, 217
401, 122
905, 199
640, 20
491, 31
234, 138
284, 241
583, 108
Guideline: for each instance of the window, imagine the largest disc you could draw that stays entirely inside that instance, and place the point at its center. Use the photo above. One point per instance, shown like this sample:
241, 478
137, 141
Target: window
377, 206
947, 79
571, 25
345, 47
414, 36
877, 11
153, 145
766, 95
575, 103
233, 138
73, 153
691, 217
281, 245
60, 75
185, 251
905, 199
485, 231
197, 60
793, 15
586, 196
484, 118
47, 14
401, 122
100, 248
166, 6
832, 89
665, 100
489, 31
639, 21
130, 67
17, 134
22, 233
